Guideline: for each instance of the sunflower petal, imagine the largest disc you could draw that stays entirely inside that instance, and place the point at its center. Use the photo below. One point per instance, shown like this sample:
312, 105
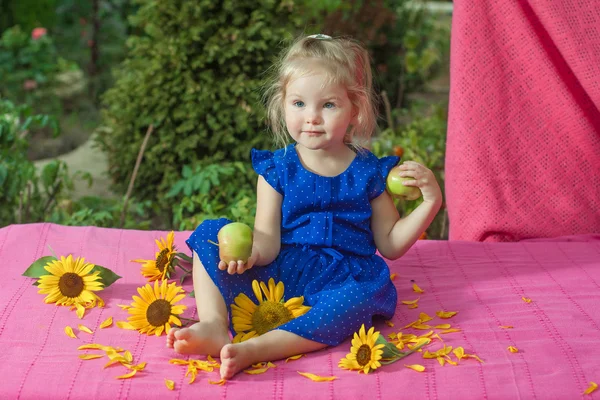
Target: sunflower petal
106, 323
90, 356
317, 378
169, 384
69, 332
84, 328
416, 367
130, 374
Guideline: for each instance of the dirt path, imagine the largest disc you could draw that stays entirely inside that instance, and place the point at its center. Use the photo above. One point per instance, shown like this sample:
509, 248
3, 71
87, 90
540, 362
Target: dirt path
86, 158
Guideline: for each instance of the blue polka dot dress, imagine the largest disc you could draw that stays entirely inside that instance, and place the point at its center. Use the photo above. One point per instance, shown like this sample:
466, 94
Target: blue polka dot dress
327, 249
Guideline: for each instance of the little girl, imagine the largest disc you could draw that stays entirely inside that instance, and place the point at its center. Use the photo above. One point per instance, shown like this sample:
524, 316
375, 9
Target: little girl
322, 212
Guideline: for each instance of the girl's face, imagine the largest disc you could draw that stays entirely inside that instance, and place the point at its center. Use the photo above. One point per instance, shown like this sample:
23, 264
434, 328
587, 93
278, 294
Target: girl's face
317, 113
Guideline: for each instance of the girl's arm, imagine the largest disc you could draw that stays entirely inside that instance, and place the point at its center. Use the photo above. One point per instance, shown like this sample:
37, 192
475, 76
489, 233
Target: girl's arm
267, 223
394, 235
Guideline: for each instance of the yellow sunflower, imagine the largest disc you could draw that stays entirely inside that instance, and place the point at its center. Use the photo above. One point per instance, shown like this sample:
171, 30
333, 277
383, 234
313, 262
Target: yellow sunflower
70, 282
250, 319
155, 310
365, 353
162, 265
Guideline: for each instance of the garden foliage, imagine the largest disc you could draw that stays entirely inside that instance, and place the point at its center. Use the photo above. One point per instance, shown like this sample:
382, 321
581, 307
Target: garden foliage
194, 72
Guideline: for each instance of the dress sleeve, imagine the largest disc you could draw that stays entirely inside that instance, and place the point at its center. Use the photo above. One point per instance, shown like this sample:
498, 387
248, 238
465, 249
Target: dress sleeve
263, 162
377, 184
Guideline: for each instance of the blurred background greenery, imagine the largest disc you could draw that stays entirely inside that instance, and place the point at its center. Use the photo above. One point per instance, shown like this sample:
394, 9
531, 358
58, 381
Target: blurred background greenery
141, 113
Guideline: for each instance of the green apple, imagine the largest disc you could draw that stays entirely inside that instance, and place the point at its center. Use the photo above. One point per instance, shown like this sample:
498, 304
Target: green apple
397, 188
235, 242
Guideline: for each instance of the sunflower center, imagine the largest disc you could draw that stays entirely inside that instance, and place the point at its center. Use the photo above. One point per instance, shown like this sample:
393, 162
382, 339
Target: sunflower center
70, 284
269, 315
363, 355
158, 312
162, 259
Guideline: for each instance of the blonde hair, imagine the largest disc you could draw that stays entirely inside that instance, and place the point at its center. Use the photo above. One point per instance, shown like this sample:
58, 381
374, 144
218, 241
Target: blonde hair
345, 62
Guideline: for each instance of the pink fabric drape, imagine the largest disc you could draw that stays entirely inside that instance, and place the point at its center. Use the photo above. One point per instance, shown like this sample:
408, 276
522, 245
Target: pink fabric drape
523, 150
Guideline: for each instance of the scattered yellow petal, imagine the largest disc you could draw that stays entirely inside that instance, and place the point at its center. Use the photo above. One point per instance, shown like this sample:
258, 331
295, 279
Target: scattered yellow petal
138, 367
459, 352
80, 310
412, 323
392, 335
417, 289
441, 360
526, 300
389, 323
317, 378
593, 386
393, 276
424, 317
513, 349
256, 371
125, 325
128, 375
127, 355
408, 302
443, 326
416, 367
124, 306
452, 330
421, 327
220, 383
271, 365
69, 332
90, 356
413, 306
426, 335
449, 361
473, 356
170, 384
506, 326
259, 365
106, 323
446, 314
178, 361
84, 328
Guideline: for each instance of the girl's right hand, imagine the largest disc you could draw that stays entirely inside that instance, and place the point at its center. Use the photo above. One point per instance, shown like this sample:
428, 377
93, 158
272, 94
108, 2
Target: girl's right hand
240, 266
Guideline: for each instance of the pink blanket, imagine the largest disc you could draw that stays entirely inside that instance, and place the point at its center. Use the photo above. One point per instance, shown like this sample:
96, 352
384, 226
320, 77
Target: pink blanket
557, 333
523, 149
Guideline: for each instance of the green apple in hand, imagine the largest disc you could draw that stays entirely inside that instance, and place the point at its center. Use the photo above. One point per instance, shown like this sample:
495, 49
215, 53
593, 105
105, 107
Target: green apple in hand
397, 188
235, 242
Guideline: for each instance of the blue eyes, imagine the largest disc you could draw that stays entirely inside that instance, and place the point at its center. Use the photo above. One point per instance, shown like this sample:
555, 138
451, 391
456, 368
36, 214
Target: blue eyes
301, 104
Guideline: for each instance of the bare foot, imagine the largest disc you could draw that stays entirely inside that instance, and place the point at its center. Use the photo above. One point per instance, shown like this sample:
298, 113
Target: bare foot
234, 358
205, 337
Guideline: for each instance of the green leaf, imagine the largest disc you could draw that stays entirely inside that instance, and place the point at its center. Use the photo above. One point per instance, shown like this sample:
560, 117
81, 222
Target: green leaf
37, 269
184, 257
108, 276
192, 294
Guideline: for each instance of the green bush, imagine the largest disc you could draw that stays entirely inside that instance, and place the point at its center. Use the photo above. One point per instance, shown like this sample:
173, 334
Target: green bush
195, 73
32, 72
423, 139
210, 191
28, 14
25, 194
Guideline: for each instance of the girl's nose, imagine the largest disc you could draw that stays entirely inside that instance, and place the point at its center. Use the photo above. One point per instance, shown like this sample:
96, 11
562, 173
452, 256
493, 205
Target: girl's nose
313, 118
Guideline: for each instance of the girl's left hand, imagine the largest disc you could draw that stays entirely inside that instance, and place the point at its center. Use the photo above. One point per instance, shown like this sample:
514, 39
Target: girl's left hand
423, 179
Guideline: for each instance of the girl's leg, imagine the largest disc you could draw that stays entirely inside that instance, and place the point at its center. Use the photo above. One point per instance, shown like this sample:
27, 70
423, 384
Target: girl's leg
273, 345
210, 334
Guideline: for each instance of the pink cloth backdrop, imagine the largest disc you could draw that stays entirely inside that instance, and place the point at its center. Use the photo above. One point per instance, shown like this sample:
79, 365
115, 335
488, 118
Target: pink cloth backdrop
523, 149
557, 334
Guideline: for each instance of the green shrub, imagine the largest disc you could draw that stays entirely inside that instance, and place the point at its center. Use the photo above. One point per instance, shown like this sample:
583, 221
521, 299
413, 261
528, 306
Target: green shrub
25, 194
209, 191
423, 139
195, 73
32, 72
